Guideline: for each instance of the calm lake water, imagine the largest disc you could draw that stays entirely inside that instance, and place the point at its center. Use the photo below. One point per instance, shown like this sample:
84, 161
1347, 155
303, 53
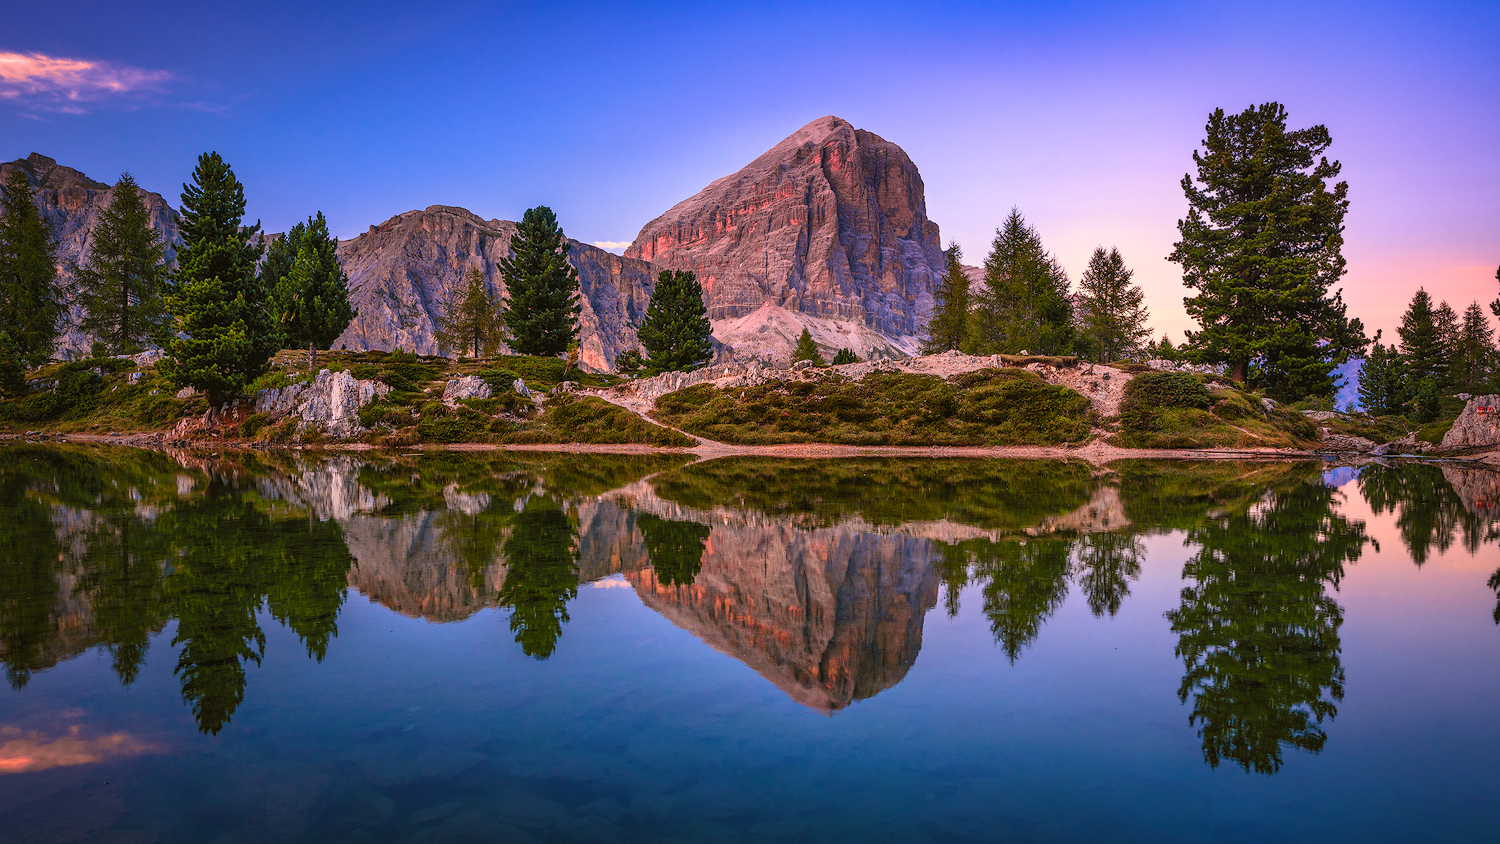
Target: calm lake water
533, 647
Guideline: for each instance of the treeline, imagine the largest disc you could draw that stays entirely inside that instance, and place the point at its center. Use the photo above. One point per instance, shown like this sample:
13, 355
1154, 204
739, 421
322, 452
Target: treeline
1440, 354
1261, 246
219, 310
1025, 304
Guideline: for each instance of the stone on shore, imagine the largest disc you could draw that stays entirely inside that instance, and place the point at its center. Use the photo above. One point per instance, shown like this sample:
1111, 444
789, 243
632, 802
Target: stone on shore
1477, 426
330, 402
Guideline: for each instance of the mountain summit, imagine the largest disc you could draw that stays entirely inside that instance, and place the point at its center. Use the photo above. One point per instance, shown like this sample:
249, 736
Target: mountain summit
828, 230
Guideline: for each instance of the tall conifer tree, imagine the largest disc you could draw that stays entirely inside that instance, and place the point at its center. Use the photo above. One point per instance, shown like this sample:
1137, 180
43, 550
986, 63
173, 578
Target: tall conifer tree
1026, 306
120, 286
30, 304
949, 328
1262, 244
542, 312
1381, 391
220, 305
1423, 350
676, 329
1110, 309
311, 298
1473, 352
807, 349
470, 323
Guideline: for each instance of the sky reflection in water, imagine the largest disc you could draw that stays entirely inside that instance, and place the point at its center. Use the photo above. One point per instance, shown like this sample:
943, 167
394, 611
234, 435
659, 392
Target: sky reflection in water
412, 648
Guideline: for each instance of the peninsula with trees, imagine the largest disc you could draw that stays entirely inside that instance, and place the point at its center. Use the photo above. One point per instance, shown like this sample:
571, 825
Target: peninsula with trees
834, 317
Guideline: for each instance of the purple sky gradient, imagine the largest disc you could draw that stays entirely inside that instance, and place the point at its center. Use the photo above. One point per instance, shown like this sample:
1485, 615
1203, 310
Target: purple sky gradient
1083, 115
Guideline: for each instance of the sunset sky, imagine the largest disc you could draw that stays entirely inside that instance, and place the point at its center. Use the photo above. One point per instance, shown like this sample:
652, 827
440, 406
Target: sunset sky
1083, 115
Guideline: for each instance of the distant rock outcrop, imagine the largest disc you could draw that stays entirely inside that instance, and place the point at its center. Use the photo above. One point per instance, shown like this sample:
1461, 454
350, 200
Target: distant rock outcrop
1477, 426
827, 230
402, 271
70, 202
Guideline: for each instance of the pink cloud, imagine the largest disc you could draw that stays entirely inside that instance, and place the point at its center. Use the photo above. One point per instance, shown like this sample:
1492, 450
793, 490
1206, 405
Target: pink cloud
61, 84
31, 751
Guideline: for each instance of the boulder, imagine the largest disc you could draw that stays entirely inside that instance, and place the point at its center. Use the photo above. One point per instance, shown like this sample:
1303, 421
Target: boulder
330, 402
466, 387
520, 387
1477, 426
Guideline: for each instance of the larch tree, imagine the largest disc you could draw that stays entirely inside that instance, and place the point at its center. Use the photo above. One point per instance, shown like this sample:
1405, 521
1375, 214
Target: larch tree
542, 310
30, 303
120, 285
949, 327
1262, 244
1381, 390
311, 297
1026, 306
676, 332
470, 322
807, 349
229, 333
1473, 352
1110, 310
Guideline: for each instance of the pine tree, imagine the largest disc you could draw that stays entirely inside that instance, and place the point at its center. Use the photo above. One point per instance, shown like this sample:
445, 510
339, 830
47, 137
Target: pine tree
949, 327
1026, 306
30, 305
1495, 305
1380, 381
470, 321
311, 298
120, 285
541, 314
807, 349
1423, 351
845, 356
217, 299
676, 330
1473, 352
1262, 244
1112, 316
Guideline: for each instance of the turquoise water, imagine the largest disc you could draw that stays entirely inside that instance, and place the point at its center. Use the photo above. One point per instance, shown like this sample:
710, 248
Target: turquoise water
602, 648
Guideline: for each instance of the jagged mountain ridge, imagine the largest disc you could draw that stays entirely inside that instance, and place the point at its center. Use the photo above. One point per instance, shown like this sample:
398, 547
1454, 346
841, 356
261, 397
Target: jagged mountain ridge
827, 230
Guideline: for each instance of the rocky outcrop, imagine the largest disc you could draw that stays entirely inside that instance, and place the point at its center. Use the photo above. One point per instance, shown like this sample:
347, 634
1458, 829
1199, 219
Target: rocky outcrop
70, 202
403, 271
1477, 426
827, 230
466, 387
1478, 489
330, 402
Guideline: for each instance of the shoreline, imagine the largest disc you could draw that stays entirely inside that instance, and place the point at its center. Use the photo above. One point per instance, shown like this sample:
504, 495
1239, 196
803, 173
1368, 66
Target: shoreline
1096, 453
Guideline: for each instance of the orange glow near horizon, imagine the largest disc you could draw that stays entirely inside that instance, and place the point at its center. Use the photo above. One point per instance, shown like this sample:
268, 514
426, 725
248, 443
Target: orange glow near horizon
25, 751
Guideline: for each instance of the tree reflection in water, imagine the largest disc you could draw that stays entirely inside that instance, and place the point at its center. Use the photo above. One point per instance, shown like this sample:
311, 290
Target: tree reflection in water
674, 548
541, 575
1258, 631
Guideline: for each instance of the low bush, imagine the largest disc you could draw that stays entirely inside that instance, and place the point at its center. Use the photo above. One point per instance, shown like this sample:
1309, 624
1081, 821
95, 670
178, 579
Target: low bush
1177, 410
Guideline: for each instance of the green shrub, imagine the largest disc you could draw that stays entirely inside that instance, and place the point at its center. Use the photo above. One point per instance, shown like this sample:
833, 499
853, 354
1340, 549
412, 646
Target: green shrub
442, 424
384, 413
499, 380
589, 419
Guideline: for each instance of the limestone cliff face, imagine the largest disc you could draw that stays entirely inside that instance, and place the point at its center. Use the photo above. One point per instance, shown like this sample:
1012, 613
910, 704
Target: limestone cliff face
830, 616
827, 229
402, 271
70, 202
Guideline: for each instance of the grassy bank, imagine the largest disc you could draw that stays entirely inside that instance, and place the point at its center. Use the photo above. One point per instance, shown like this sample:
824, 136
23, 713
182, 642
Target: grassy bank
114, 396
990, 407
1183, 410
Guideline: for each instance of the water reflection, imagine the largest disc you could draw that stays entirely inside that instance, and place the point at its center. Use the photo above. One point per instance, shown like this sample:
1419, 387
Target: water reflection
819, 575
1258, 629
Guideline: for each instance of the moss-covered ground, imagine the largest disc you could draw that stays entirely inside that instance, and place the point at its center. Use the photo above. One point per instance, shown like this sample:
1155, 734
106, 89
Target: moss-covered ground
990, 407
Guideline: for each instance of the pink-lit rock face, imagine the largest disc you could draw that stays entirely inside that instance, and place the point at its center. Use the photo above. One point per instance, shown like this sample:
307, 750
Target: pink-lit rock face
70, 202
830, 223
403, 270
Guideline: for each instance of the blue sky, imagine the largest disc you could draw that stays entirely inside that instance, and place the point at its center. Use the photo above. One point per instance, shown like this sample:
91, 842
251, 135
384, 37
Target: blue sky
1084, 115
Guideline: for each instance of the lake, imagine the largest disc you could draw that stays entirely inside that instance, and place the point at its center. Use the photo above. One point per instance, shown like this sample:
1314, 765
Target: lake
446, 647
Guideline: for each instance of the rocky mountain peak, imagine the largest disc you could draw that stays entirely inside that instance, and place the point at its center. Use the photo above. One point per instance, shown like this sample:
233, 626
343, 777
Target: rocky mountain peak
828, 228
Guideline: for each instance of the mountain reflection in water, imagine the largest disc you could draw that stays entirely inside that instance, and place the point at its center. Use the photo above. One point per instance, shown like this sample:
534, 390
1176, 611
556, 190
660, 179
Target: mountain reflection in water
818, 575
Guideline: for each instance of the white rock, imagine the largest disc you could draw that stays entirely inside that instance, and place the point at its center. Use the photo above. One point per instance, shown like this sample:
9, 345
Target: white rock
186, 393
466, 387
331, 402
520, 388
1478, 425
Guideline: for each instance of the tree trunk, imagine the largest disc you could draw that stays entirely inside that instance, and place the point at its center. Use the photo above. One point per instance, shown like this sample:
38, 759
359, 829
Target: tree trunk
1240, 371
312, 358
